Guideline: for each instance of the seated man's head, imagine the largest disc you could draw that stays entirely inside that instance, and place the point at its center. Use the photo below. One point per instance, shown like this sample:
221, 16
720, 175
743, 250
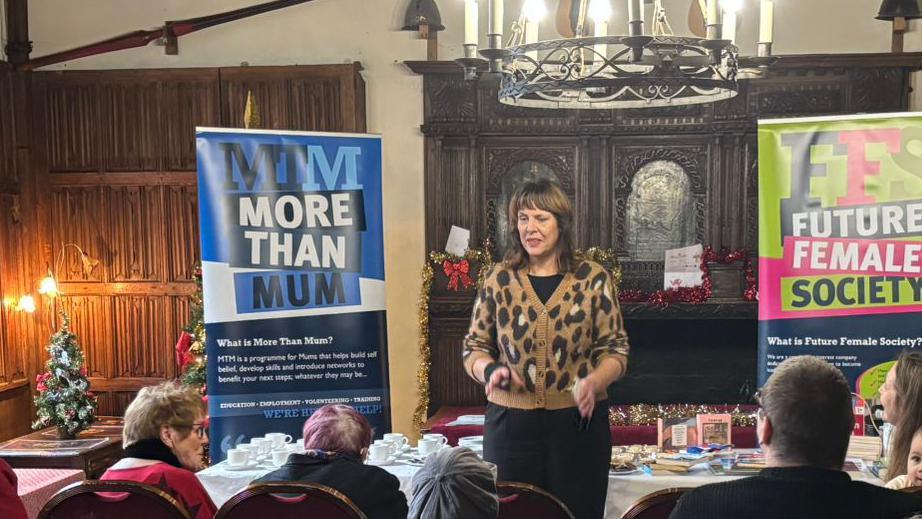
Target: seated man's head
806, 416
172, 413
454, 483
338, 428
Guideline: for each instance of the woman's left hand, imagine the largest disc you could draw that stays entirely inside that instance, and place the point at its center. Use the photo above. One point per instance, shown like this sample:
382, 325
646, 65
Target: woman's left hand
585, 395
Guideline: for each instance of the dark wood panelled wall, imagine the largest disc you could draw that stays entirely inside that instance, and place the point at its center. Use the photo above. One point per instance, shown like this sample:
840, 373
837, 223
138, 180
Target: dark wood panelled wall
105, 160
474, 145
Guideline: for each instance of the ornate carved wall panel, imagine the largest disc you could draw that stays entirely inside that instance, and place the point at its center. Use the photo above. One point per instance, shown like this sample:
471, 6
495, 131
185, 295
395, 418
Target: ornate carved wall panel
92, 316
136, 228
182, 234
451, 384
131, 111
689, 164
321, 97
79, 216
110, 166
705, 155
189, 99
73, 116
454, 160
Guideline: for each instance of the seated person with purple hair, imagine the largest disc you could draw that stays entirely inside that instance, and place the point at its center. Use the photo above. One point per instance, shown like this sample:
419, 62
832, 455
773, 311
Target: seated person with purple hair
337, 438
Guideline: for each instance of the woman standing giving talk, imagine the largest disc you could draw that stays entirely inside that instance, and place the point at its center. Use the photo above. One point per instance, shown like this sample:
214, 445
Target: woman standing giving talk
546, 340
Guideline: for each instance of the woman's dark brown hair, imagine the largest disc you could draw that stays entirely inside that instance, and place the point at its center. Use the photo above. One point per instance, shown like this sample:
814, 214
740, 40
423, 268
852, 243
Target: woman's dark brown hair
544, 195
908, 396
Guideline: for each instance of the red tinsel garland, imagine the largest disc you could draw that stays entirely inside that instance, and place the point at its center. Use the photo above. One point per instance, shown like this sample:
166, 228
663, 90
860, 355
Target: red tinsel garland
699, 294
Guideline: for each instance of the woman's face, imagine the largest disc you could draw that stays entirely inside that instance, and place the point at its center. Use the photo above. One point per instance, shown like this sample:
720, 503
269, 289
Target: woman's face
538, 232
888, 396
189, 448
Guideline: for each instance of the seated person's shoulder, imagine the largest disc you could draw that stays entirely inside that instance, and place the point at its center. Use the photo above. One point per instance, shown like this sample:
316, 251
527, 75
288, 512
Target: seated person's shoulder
180, 475
377, 474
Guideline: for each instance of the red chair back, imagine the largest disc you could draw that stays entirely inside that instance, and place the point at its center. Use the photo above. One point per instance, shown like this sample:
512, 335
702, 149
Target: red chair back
657, 505
289, 501
524, 501
93, 499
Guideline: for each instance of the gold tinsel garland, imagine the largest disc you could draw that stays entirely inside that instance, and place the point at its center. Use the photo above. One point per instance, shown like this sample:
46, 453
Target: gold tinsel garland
647, 414
485, 259
422, 372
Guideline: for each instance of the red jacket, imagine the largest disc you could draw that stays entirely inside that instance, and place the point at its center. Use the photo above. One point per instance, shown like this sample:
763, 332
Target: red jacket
10, 505
179, 483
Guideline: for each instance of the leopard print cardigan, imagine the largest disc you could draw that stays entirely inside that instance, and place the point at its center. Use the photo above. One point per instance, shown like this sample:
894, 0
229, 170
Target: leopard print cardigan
549, 345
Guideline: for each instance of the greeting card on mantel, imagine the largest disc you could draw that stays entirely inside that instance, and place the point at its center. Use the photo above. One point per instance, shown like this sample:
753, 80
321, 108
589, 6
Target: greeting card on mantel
683, 267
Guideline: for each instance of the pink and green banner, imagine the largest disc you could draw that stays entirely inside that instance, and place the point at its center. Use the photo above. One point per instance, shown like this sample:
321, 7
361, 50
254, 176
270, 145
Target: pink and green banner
840, 242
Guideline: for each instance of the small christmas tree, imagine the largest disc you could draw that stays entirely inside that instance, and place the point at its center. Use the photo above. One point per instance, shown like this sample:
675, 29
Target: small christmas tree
190, 348
64, 399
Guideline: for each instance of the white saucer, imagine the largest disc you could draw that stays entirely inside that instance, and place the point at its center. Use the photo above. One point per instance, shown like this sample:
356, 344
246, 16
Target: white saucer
248, 466
379, 463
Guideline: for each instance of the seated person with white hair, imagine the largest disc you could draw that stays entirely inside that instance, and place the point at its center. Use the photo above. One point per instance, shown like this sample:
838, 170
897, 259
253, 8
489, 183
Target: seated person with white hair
337, 438
454, 483
803, 426
163, 438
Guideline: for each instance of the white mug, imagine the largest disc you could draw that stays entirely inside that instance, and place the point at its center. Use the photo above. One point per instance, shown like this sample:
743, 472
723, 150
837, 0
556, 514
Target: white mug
279, 458
427, 446
470, 441
237, 457
379, 452
437, 437
279, 440
295, 448
391, 446
397, 438
251, 450
263, 445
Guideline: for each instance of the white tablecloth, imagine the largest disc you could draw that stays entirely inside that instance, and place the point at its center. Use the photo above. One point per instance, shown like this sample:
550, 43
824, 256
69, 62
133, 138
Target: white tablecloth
222, 483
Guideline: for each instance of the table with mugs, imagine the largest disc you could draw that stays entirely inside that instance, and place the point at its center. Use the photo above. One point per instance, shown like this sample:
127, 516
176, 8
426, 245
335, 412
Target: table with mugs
394, 454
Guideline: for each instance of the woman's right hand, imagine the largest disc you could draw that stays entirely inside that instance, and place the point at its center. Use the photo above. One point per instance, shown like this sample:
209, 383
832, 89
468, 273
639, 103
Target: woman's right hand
504, 378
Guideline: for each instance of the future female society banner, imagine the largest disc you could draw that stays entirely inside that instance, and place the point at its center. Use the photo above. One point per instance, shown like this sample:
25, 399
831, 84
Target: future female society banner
293, 279
840, 242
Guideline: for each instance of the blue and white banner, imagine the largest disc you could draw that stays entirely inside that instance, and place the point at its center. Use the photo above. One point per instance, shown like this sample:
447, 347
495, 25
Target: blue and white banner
293, 279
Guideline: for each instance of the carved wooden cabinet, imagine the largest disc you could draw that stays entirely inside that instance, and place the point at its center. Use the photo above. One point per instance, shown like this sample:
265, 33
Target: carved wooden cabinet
641, 180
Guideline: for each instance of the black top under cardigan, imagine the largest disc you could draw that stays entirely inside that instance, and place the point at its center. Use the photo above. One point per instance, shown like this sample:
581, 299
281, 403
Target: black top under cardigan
795, 493
374, 490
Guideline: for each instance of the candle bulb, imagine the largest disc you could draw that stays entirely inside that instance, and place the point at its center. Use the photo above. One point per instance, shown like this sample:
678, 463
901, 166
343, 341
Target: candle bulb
713, 14
635, 10
729, 26
765, 21
601, 29
470, 22
635, 17
600, 12
496, 16
731, 7
532, 11
531, 31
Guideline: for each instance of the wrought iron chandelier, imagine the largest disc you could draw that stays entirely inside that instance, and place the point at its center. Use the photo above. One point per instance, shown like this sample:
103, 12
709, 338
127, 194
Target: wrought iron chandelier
636, 70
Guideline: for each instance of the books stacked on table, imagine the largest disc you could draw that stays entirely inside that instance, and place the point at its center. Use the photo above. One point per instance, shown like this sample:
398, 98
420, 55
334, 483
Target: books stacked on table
678, 462
742, 465
864, 447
